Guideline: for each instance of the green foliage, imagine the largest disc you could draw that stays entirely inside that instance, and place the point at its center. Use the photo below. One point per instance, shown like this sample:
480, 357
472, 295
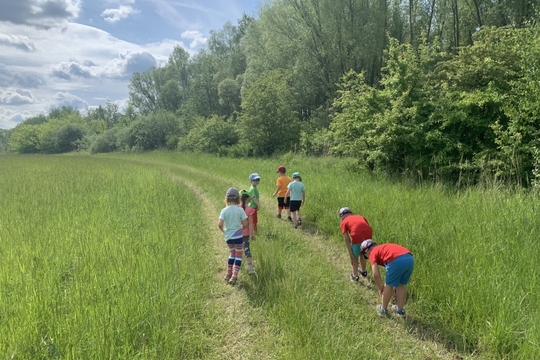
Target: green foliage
3, 140
106, 142
209, 135
24, 139
149, 132
268, 122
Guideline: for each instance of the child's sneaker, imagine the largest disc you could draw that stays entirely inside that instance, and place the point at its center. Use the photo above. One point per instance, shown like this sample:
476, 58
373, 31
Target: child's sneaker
233, 279
363, 273
299, 222
227, 277
381, 311
251, 270
278, 216
400, 313
354, 278
289, 218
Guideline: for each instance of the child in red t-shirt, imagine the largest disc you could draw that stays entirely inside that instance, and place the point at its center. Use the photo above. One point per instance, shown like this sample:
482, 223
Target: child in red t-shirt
399, 264
355, 229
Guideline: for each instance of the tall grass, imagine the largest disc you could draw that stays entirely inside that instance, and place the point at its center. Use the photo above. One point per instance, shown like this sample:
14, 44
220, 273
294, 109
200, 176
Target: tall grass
100, 259
475, 285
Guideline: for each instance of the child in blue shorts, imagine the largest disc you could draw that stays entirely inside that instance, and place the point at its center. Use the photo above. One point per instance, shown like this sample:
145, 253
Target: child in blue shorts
399, 264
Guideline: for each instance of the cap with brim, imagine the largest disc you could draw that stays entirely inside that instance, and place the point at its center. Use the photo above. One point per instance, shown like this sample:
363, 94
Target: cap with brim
366, 245
232, 192
281, 169
254, 177
344, 211
244, 192
296, 175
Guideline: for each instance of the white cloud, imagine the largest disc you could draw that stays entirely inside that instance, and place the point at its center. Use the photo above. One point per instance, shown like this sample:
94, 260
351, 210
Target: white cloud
65, 70
19, 42
39, 13
16, 97
196, 36
66, 99
114, 15
9, 119
22, 78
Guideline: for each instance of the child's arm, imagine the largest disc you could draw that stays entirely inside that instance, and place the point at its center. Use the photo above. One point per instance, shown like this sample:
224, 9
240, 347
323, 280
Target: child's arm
220, 225
303, 196
245, 223
277, 190
287, 195
256, 201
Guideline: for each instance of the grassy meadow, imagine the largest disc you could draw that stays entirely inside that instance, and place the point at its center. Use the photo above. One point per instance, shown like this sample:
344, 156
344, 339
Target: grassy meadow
118, 256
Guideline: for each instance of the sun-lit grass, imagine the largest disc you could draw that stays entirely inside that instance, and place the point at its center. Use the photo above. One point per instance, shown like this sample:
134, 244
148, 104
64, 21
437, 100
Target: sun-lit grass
100, 259
108, 257
475, 285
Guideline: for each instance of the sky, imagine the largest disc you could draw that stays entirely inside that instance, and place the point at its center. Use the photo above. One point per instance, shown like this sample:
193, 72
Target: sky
82, 53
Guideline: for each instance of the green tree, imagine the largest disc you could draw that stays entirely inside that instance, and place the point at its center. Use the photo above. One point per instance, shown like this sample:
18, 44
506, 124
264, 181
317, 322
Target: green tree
268, 122
24, 139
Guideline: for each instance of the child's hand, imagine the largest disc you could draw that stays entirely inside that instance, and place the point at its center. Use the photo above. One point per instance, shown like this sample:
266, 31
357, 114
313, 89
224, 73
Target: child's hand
253, 238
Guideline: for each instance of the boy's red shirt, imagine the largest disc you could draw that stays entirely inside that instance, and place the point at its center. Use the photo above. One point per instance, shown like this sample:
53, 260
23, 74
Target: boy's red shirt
386, 253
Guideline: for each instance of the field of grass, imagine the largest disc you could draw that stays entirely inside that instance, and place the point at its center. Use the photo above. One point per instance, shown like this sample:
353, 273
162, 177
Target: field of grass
117, 256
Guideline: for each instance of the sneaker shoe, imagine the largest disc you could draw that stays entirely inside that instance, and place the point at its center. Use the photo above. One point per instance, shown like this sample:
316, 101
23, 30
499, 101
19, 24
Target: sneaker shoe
354, 278
278, 216
251, 270
299, 222
381, 311
227, 277
233, 279
289, 218
363, 273
400, 313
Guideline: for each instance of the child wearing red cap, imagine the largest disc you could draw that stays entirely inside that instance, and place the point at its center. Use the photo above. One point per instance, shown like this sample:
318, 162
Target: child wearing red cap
281, 190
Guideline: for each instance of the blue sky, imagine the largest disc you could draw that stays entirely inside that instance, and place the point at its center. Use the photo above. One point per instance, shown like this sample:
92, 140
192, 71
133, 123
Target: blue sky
82, 53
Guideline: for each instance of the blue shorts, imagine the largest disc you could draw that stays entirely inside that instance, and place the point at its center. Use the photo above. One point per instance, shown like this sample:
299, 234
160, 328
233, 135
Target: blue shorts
356, 249
399, 271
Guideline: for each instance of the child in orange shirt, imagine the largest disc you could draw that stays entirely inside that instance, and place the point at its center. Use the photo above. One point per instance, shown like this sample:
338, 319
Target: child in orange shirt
281, 190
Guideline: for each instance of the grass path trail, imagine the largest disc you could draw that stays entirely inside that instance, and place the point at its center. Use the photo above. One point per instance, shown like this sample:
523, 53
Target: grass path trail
250, 335
243, 325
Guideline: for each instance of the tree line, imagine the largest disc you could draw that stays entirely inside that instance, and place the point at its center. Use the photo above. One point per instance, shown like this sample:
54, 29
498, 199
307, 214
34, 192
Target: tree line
440, 89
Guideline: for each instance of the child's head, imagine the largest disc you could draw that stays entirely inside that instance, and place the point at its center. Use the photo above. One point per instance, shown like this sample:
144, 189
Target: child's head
255, 179
244, 197
281, 170
296, 176
232, 197
343, 212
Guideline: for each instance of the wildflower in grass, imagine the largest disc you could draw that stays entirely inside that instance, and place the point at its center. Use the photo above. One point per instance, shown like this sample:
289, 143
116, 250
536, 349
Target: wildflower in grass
232, 220
399, 264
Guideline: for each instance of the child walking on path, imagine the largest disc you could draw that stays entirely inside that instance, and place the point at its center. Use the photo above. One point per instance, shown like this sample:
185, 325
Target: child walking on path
281, 190
399, 264
297, 193
355, 230
248, 233
254, 197
232, 220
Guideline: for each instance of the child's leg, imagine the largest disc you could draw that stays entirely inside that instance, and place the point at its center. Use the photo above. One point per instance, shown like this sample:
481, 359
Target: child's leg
354, 263
255, 220
401, 294
362, 263
387, 295
247, 252
238, 252
230, 261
